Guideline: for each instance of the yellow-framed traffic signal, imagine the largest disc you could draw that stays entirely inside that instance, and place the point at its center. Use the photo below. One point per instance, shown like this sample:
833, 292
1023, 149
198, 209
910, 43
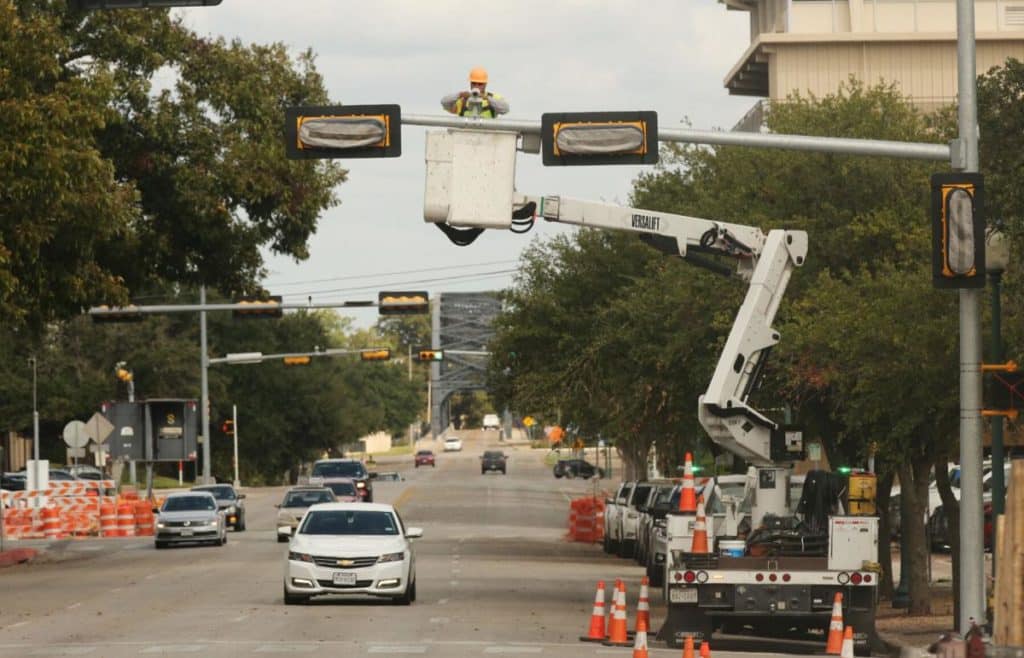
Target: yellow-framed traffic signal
343, 131
261, 313
375, 355
599, 138
403, 302
431, 355
297, 360
958, 230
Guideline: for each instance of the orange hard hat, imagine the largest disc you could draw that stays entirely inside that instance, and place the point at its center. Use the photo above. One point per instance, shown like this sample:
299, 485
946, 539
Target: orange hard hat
479, 74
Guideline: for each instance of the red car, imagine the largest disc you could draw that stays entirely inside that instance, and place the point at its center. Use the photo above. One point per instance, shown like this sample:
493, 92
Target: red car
425, 458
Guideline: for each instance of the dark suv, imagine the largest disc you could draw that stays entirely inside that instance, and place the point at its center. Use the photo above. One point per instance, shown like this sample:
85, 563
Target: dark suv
576, 468
229, 501
325, 469
493, 460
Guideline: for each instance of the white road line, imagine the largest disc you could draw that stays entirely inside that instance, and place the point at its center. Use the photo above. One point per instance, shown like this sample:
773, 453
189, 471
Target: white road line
513, 650
285, 648
61, 651
456, 570
74, 605
397, 648
175, 648
439, 602
240, 618
151, 576
16, 625
115, 589
455, 583
440, 620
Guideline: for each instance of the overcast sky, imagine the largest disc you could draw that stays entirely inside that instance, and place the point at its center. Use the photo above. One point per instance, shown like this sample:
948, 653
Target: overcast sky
557, 55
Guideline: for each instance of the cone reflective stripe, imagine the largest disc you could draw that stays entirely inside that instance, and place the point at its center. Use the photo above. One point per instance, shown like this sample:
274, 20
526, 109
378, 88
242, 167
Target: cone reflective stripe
835, 627
687, 497
688, 647
847, 650
640, 640
705, 649
700, 530
597, 618
618, 635
643, 606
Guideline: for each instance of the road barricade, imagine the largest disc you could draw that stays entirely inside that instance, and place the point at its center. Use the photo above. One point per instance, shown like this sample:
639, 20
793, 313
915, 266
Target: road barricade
143, 518
586, 519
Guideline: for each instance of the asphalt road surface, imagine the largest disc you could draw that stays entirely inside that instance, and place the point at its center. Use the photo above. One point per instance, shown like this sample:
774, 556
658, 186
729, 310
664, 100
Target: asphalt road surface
494, 574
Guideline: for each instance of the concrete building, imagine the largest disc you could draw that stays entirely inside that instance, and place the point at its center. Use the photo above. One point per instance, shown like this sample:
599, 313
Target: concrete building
812, 46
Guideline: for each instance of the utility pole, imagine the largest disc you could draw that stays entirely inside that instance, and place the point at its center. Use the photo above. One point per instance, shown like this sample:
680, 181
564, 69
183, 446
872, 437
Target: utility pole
234, 433
972, 553
204, 363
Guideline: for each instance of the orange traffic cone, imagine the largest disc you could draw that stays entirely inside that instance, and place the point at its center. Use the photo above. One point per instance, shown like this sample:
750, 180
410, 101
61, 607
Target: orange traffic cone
688, 647
643, 606
687, 497
597, 618
700, 530
618, 634
847, 650
705, 649
835, 627
640, 641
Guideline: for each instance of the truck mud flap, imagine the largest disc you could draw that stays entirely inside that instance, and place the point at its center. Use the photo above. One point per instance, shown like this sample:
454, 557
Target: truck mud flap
682, 622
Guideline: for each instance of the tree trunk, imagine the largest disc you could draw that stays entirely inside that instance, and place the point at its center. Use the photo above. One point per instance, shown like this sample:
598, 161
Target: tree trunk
914, 491
885, 587
951, 506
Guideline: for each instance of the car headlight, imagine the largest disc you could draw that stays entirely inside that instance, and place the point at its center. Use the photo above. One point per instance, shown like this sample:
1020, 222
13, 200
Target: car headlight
232, 510
161, 525
361, 485
392, 557
299, 557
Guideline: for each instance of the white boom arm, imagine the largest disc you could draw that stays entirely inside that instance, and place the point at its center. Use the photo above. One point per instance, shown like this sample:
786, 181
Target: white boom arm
766, 261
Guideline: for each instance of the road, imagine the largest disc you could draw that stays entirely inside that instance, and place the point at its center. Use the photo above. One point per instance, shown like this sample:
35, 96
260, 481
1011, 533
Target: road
495, 577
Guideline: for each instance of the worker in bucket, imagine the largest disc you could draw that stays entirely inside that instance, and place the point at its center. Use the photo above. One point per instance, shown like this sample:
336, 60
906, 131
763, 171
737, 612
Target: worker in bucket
477, 102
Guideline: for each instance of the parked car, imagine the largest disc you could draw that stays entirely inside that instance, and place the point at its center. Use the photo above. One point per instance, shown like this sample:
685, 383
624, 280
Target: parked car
189, 517
326, 470
491, 422
493, 460
938, 522
13, 482
229, 501
629, 518
425, 458
452, 444
351, 548
576, 468
614, 508
296, 501
649, 513
85, 472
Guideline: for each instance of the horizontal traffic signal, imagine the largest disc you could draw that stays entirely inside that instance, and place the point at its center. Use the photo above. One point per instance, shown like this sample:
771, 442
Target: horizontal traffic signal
297, 360
599, 138
124, 374
375, 355
228, 427
403, 303
343, 131
958, 231
117, 314
264, 312
431, 355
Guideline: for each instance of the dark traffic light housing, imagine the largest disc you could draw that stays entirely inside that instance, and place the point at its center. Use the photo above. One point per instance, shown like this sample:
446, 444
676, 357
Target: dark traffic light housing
599, 138
431, 355
343, 131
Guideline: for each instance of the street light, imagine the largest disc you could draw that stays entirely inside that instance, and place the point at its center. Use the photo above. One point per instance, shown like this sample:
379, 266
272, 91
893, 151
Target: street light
997, 257
35, 422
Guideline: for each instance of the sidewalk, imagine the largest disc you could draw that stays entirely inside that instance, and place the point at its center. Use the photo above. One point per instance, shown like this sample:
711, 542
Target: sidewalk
910, 636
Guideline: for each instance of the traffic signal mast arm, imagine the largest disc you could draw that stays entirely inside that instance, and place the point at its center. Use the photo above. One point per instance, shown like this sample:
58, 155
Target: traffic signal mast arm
765, 261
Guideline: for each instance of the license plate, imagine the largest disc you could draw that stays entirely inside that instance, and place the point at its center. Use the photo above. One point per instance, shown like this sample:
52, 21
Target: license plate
186, 533
344, 578
679, 595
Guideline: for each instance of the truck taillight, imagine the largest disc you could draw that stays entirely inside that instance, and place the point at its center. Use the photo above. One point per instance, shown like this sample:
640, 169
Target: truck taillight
856, 578
678, 576
786, 577
772, 577
867, 578
689, 576
759, 577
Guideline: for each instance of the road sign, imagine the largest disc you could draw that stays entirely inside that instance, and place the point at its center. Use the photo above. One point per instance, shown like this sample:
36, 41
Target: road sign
75, 435
529, 421
98, 428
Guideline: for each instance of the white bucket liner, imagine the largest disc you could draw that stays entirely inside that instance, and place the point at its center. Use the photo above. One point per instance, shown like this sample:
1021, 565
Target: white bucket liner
470, 178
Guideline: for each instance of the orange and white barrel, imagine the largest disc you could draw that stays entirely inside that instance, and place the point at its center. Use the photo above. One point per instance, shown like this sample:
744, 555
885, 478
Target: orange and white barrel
143, 518
51, 523
108, 520
125, 519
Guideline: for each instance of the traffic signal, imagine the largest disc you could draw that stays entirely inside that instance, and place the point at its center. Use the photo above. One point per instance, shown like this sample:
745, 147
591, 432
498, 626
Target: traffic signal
228, 427
375, 355
264, 312
105, 314
599, 138
297, 360
431, 355
90, 5
958, 231
123, 374
403, 303
348, 131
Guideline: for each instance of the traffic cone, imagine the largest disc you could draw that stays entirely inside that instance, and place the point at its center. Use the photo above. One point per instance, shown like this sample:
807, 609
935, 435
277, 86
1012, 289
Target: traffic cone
643, 606
688, 647
835, 627
640, 640
847, 650
705, 649
687, 496
618, 634
700, 530
597, 618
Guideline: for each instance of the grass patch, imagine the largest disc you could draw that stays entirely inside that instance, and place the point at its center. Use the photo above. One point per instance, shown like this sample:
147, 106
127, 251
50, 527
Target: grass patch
164, 482
394, 452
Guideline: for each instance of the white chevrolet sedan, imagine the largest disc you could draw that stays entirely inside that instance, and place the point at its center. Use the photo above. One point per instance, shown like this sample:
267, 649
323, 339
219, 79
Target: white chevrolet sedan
351, 548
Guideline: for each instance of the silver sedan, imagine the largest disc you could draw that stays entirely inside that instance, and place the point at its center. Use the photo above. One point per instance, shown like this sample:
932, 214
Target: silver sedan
190, 517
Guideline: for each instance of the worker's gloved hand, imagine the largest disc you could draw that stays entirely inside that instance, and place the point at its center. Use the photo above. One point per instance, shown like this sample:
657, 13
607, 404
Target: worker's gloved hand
463, 95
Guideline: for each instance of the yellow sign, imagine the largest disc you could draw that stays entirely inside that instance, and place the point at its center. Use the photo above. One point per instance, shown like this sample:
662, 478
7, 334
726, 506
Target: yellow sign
529, 421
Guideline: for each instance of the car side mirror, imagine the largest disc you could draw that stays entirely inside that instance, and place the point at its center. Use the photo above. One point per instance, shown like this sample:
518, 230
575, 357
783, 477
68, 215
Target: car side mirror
241, 496
278, 506
414, 533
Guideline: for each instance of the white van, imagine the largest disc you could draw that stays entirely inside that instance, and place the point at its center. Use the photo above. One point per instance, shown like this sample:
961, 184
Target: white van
491, 422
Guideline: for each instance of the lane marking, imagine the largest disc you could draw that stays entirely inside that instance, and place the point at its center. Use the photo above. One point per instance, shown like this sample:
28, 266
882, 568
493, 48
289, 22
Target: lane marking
74, 605
240, 618
440, 620
151, 576
175, 648
439, 602
17, 625
455, 583
513, 650
62, 651
284, 648
115, 589
397, 648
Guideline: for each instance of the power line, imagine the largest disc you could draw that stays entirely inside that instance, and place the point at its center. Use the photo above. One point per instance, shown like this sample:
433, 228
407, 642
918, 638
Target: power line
386, 274
404, 284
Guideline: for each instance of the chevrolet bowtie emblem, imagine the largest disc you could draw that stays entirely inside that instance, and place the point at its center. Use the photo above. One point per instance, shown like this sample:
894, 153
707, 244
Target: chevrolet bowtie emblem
188, 523
345, 563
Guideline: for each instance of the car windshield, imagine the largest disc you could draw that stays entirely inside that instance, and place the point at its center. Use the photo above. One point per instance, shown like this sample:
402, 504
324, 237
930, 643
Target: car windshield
424, 453
189, 504
348, 522
640, 494
339, 470
220, 493
341, 488
490, 454
306, 498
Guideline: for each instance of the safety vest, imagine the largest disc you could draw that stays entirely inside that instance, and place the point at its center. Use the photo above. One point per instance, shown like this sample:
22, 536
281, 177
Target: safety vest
464, 107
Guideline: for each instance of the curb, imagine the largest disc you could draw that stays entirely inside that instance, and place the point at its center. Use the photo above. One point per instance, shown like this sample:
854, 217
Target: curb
16, 556
890, 645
